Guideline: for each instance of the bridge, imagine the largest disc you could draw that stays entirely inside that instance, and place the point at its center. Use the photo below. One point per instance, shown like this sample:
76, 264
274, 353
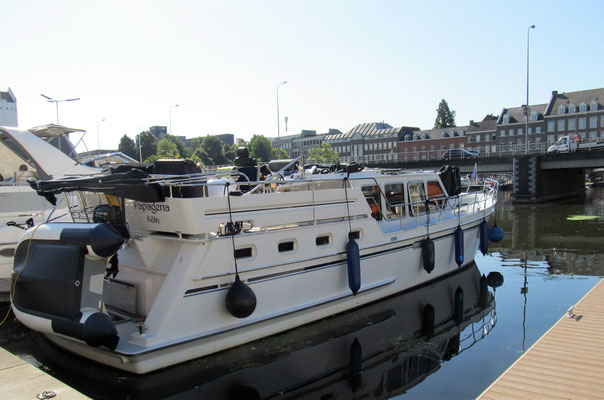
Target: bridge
537, 177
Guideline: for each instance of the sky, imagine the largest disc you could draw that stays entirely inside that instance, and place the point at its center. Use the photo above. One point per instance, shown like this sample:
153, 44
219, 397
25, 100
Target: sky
345, 62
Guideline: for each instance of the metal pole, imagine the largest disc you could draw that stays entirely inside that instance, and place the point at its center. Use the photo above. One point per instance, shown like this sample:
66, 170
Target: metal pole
57, 107
527, 87
278, 122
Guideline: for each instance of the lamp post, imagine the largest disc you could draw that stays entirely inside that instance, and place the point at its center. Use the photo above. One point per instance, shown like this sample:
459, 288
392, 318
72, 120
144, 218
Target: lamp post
278, 122
98, 136
51, 100
171, 107
527, 87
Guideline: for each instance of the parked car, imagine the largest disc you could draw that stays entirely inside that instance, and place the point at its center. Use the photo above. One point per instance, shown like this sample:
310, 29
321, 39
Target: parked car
458, 154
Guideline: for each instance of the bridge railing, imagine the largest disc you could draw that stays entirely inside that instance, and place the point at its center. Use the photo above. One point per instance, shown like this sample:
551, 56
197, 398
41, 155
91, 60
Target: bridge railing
427, 155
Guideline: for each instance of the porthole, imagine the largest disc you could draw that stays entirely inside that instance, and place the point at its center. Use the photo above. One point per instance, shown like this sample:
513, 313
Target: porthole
244, 252
286, 246
323, 240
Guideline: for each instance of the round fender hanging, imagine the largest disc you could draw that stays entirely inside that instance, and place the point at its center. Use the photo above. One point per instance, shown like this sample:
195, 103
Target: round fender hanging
496, 234
98, 330
428, 254
484, 237
458, 307
353, 261
240, 299
459, 246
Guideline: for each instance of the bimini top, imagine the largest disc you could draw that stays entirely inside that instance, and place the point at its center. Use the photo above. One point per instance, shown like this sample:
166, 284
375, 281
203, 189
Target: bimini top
124, 181
52, 130
49, 162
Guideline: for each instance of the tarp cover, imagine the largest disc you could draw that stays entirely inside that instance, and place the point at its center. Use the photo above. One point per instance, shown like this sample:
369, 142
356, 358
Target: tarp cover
131, 184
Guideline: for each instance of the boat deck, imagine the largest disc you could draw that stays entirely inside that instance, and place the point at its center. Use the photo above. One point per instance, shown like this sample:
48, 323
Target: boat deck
567, 362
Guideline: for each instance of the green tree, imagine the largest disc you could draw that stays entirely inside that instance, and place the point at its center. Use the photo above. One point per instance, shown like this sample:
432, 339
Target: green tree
165, 149
148, 142
324, 154
445, 118
280, 153
128, 147
260, 147
229, 152
179, 145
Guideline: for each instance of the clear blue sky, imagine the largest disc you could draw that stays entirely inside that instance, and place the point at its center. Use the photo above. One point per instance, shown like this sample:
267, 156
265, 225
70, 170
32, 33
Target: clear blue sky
346, 62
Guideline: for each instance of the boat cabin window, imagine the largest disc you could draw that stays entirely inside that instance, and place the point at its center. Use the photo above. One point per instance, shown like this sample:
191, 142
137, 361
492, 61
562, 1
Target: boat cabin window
417, 198
356, 234
244, 252
436, 195
323, 240
286, 246
372, 195
395, 198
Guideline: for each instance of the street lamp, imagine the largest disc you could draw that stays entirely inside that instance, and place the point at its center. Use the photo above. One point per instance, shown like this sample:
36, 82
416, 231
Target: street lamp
51, 100
527, 86
98, 136
171, 107
278, 122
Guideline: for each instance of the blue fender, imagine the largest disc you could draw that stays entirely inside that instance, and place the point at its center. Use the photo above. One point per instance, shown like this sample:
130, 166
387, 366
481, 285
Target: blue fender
459, 246
496, 234
354, 265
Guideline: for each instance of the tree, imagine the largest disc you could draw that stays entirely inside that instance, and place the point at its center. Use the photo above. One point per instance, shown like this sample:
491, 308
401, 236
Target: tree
261, 148
280, 153
128, 147
149, 144
324, 155
445, 118
179, 145
165, 149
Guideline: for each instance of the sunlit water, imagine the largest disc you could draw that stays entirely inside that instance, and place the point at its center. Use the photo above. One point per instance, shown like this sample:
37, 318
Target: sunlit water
548, 262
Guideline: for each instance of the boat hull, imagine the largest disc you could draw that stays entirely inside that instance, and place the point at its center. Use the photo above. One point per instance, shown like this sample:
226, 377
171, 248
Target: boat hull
285, 301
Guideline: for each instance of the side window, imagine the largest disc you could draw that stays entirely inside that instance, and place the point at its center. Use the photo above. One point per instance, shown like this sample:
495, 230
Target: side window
372, 195
417, 198
436, 195
395, 198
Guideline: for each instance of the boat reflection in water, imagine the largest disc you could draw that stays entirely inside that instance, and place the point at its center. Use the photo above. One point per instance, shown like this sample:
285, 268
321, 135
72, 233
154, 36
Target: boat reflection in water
377, 351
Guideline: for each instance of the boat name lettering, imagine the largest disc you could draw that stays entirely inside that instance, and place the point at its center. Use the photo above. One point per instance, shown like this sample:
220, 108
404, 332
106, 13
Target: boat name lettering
152, 207
152, 219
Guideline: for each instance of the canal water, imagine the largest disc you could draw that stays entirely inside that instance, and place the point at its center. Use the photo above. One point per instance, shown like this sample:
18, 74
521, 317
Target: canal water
551, 256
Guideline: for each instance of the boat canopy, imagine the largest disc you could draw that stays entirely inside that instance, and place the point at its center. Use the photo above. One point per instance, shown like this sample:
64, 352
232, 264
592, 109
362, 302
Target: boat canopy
47, 160
132, 184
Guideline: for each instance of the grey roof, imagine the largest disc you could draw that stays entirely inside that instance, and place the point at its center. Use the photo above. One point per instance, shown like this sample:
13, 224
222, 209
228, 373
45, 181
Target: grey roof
517, 113
366, 129
438, 133
487, 124
576, 98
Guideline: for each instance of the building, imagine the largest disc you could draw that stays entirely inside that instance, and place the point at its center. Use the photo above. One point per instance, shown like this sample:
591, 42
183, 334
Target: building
576, 113
430, 144
368, 142
511, 129
159, 132
8, 109
302, 143
482, 136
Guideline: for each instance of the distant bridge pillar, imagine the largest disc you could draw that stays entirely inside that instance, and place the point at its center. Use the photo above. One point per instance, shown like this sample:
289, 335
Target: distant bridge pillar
532, 184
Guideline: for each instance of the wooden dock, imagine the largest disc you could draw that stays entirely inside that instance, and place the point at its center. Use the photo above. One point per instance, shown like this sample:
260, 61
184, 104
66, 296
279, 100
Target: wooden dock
567, 362
20, 380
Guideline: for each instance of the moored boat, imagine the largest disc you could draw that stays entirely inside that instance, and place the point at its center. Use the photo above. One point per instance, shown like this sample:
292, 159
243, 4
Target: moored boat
174, 264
